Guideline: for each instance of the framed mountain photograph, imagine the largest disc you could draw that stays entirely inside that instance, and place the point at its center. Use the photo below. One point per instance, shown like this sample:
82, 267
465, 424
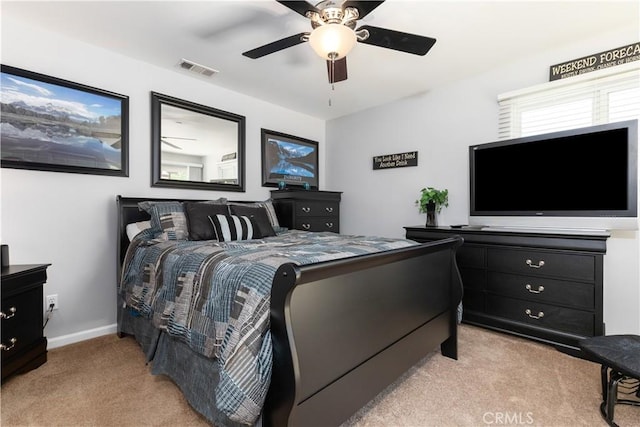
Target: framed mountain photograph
51, 124
288, 161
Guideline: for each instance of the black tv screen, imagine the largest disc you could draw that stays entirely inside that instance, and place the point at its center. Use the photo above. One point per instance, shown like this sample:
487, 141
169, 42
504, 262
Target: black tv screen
289, 160
587, 172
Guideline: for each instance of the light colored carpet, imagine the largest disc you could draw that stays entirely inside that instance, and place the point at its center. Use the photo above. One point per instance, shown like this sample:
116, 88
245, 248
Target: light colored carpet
497, 380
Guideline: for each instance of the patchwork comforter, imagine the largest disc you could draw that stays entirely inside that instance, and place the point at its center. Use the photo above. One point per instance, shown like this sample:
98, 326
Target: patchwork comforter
215, 296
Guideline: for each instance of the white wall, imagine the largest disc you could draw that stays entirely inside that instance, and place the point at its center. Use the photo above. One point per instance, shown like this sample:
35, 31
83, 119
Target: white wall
69, 220
440, 125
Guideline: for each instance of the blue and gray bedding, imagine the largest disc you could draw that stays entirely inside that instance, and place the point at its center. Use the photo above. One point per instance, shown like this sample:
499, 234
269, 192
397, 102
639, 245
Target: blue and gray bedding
215, 297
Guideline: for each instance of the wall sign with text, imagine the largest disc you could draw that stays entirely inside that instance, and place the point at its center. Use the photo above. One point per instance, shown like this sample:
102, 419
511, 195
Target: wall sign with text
597, 61
399, 160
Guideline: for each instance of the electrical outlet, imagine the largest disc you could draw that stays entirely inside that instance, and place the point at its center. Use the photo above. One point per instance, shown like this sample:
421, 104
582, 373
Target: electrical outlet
52, 299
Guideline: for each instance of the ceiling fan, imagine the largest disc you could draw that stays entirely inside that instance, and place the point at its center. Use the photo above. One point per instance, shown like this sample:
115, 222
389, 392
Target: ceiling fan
334, 33
163, 139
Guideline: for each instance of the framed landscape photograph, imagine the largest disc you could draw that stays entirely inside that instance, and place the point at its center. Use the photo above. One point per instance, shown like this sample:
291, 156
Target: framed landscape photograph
51, 124
288, 160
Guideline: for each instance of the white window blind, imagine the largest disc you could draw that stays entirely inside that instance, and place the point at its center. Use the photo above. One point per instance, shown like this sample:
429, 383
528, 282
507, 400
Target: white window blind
606, 97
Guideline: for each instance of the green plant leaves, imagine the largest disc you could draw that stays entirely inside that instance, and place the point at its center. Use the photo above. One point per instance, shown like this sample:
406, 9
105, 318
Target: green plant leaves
430, 194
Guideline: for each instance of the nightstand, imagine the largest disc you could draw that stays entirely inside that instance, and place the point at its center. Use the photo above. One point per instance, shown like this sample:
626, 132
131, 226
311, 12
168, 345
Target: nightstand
23, 346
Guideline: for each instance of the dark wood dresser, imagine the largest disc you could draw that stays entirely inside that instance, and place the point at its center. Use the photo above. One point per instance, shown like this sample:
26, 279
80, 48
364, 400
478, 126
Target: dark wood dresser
543, 286
308, 210
23, 345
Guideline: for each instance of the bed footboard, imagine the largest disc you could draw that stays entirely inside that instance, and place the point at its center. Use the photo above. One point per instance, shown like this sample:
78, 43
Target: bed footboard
343, 330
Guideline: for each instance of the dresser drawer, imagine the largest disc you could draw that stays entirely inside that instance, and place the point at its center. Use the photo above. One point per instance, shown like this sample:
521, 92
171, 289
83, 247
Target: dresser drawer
541, 289
473, 300
542, 315
473, 278
306, 208
25, 347
22, 323
563, 280
540, 263
318, 224
471, 256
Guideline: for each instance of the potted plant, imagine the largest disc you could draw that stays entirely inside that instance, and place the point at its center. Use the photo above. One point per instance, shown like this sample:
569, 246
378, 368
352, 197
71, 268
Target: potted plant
431, 202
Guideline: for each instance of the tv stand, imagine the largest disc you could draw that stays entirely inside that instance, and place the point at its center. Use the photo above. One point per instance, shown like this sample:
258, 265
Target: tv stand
546, 285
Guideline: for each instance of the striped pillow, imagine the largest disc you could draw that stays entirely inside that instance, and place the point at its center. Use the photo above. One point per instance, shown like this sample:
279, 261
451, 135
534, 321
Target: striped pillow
258, 216
233, 227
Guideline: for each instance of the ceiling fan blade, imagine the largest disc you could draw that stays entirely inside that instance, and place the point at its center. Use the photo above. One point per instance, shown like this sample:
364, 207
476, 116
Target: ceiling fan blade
301, 7
337, 70
364, 7
396, 40
275, 46
178, 137
171, 145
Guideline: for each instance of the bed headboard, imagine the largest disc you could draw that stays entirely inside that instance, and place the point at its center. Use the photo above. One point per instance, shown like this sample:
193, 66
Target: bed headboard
128, 212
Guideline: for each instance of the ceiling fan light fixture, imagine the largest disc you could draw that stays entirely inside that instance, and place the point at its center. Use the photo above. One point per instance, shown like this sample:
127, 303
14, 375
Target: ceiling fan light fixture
332, 41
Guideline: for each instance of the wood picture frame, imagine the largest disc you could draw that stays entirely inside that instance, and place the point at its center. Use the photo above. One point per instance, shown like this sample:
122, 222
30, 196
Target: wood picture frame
289, 161
194, 146
51, 124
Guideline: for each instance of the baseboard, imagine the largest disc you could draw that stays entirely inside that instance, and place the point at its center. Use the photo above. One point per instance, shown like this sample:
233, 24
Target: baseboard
81, 336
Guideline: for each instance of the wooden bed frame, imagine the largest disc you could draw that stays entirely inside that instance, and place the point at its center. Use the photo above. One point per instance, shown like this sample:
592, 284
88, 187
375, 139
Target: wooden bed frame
343, 330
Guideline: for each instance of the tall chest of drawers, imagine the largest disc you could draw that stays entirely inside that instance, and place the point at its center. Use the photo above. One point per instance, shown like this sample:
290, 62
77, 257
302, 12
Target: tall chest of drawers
308, 210
543, 286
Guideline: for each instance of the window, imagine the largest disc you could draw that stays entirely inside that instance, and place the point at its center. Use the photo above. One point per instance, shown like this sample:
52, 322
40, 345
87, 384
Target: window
624, 104
605, 96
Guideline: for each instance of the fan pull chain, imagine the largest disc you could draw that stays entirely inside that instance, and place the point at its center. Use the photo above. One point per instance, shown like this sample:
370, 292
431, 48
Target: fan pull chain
333, 72
332, 75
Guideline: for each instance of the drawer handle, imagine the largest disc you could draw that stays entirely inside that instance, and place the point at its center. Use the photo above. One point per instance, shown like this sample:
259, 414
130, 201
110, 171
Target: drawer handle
533, 291
306, 226
533, 316
329, 224
3, 315
532, 265
13, 342
328, 209
306, 209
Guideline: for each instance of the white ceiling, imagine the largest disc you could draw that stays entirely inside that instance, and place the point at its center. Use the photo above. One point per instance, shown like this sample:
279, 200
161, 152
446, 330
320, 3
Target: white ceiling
472, 37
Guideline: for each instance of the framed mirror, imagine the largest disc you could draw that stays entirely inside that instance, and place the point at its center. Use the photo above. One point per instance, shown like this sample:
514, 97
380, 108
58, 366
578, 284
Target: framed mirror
196, 147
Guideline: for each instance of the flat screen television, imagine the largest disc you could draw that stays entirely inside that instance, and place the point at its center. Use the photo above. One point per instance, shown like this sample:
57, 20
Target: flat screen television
579, 178
289, 161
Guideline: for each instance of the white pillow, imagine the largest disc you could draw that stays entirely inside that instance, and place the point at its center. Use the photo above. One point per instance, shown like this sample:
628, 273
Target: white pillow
137, 227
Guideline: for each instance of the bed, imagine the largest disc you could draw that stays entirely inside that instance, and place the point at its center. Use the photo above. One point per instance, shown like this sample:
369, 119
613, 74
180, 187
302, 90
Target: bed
341, 325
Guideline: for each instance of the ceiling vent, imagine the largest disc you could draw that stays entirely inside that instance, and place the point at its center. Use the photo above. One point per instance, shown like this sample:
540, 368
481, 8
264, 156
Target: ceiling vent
197, 68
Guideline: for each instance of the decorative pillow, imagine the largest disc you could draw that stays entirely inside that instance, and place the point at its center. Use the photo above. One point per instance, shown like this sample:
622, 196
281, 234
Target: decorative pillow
198, 222
233, 227
168, 220
136, 228
271, 212
218, 201
268, 205
257, 214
